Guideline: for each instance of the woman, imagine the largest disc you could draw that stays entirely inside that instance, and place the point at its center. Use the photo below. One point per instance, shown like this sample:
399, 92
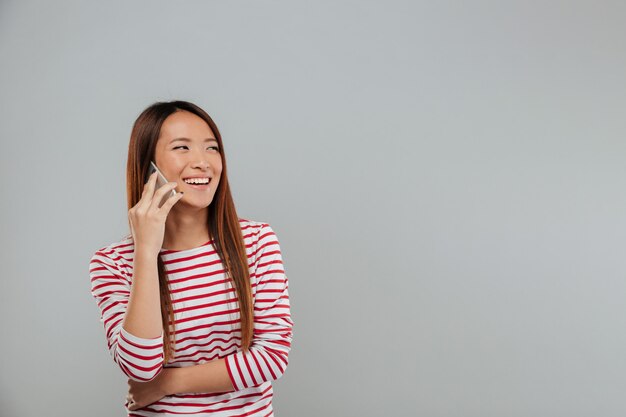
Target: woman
194, 300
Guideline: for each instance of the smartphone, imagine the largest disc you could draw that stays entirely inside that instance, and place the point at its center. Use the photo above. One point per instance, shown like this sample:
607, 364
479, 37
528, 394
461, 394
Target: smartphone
160, 181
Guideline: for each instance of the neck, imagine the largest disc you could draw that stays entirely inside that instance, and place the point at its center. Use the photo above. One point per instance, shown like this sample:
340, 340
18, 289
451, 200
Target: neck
186, 229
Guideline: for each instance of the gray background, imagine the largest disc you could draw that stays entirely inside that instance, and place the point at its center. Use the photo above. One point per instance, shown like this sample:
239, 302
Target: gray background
446, 181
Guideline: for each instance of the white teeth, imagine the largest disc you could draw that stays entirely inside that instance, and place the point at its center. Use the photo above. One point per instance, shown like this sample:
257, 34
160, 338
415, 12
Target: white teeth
197, 181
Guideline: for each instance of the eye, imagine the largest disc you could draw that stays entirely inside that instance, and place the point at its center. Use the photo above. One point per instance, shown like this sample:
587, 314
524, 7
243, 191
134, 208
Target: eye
182, 146
215, 148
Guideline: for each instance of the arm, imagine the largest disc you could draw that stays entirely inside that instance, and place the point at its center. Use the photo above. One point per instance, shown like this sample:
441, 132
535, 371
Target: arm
137, 346
138, 353
210, 377
143, 314
147, 225
267, 358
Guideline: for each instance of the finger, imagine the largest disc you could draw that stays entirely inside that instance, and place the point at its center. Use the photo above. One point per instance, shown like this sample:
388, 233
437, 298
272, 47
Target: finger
148, 191
146, 183
154, 173
160, 193
169, 203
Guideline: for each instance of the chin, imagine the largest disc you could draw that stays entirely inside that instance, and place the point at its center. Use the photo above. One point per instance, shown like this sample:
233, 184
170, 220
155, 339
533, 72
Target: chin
196, 203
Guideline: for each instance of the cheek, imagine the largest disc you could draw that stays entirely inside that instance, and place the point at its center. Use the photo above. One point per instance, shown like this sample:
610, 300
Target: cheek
219, 175
218, 167
173, 163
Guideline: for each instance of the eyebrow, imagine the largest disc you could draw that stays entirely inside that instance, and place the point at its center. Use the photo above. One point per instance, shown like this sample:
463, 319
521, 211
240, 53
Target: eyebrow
189, 140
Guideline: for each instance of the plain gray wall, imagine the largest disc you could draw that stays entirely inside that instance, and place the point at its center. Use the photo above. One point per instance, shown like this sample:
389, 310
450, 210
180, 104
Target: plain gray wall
446, 179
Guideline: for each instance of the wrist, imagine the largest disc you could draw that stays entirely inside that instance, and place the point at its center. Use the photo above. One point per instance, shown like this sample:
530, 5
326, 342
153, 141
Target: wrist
145, 256
168, 383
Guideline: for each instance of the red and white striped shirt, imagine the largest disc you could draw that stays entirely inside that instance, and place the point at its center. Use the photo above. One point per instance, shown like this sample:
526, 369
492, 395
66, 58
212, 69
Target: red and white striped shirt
207, 326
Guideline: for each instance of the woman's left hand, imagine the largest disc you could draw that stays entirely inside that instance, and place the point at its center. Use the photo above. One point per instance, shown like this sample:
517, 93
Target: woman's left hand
141, 394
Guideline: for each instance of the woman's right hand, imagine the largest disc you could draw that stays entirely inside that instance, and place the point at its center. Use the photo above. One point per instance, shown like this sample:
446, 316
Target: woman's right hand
147, 219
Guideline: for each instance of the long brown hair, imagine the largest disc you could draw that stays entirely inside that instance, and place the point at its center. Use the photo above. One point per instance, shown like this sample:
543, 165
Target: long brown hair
222, 220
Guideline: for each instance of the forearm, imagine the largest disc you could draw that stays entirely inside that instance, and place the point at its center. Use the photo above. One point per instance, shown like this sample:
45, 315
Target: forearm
208, 377
143, 313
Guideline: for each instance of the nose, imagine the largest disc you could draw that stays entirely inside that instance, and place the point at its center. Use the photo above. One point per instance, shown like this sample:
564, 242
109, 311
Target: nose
202, 164
200, 161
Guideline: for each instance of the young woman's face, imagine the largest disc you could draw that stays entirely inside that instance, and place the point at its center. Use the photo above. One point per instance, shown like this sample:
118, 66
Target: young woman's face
187, 149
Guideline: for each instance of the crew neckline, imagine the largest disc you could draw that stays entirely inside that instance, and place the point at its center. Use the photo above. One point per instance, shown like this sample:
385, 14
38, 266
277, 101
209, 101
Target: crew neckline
164, 250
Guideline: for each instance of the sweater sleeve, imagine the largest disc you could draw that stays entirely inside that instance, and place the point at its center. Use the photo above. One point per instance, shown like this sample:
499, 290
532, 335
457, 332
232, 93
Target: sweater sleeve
267, 358
140, 359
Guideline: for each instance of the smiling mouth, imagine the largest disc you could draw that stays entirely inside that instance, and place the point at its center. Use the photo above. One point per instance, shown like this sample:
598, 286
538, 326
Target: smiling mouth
199, 185
197, 181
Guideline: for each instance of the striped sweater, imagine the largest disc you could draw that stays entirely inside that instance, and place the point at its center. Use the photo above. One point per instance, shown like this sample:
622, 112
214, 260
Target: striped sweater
206, 323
